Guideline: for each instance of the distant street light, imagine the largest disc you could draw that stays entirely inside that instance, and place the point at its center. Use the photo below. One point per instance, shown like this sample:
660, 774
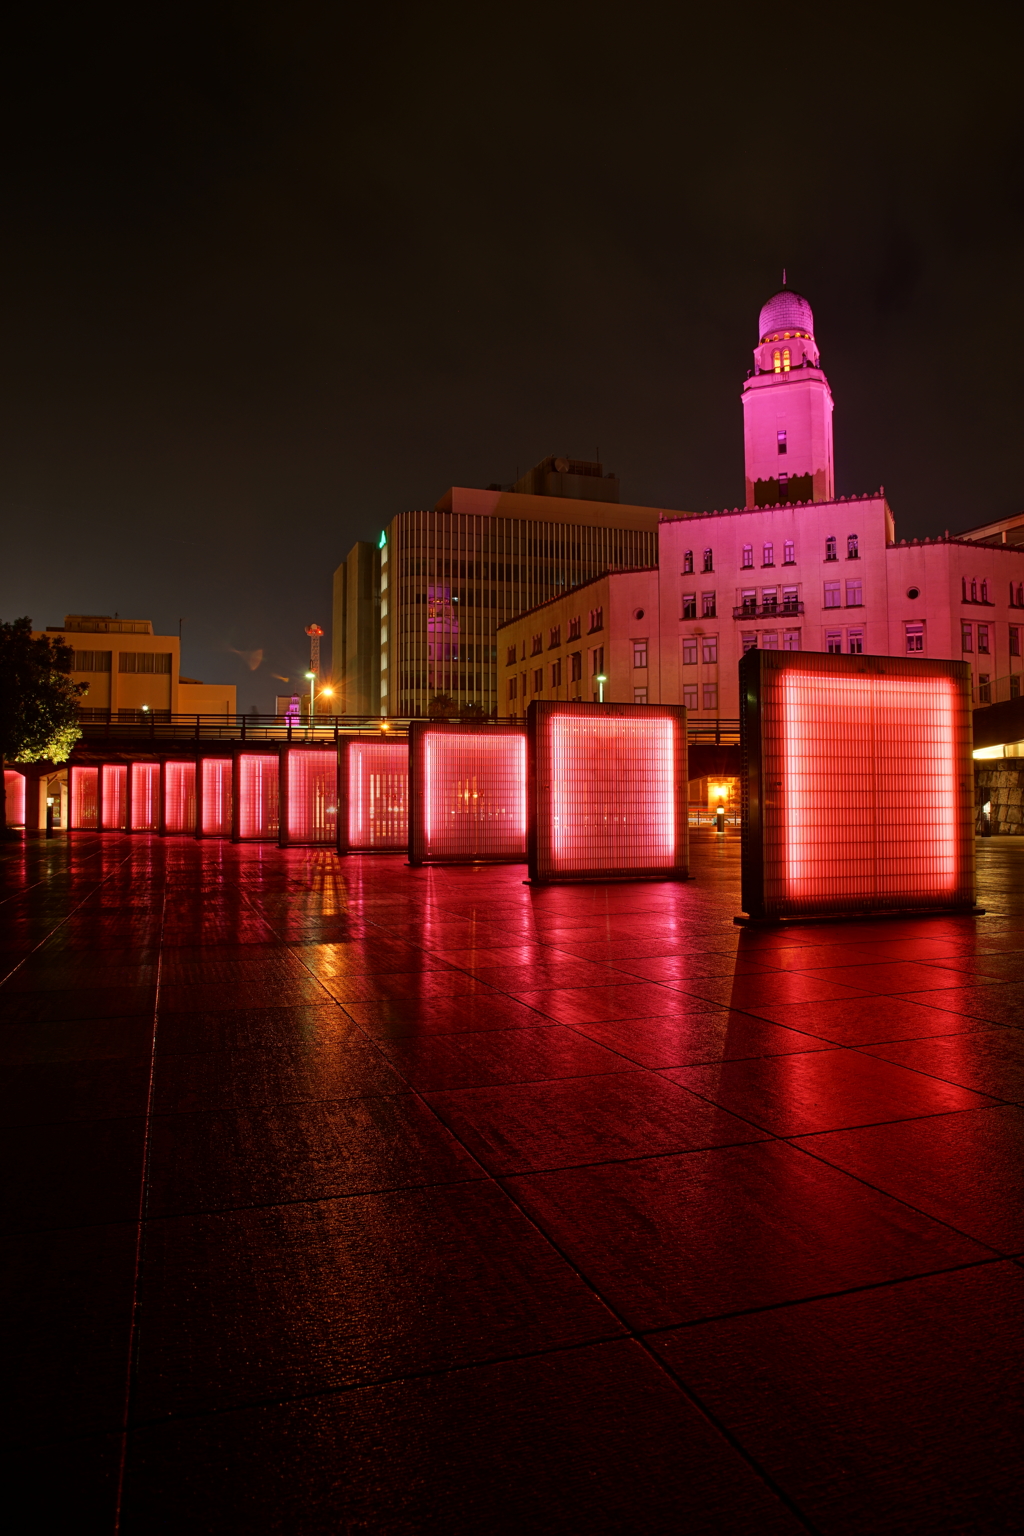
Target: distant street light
600, 679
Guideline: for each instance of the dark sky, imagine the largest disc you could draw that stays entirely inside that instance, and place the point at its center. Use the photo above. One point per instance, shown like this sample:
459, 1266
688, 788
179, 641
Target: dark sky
275, 272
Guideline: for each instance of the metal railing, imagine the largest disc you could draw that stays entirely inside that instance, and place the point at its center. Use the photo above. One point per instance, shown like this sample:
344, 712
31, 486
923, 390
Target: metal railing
768, 610
1000, 690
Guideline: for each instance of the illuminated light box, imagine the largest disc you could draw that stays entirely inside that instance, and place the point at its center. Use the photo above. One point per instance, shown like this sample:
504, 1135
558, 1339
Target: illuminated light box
608, 791
310, 795
180, 797
145, 797
114, 800
374, 814
858, 785
214, 797
256, 796
467, 791
85, 799
14, 794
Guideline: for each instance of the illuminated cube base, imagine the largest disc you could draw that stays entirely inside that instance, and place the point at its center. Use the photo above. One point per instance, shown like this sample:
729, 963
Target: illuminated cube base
608, 791
309, 793
858, 785
467, 787
374, 806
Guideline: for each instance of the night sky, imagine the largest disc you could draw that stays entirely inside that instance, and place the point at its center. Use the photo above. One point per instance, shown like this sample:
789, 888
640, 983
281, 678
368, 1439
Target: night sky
276, 272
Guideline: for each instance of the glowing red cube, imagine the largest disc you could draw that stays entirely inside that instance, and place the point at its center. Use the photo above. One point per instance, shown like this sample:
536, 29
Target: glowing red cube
180, 797
144, 780
467, 793
310, 785
374, 815
256, 795
215, 796
114, 798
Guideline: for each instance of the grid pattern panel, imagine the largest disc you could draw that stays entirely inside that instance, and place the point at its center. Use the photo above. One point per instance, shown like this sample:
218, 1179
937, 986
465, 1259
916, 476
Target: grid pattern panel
145, 797
180, 797
14, 790
609, 790
312, 796
115, 797
471, 794
867, 795
216, 781
258, 795
85, 794
377, 791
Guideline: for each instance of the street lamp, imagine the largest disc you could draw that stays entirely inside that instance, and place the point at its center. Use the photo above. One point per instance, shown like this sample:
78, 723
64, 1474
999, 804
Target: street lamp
312, 700
600, 679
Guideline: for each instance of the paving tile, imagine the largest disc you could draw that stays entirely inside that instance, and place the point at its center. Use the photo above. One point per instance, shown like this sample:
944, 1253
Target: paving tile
414, 985
71, 1173
559, 1124
464, 1014
668, 1240
1002, 1004
822, 1091
890, 976
987, 1060
865, 1020
548, 975
589, 1005
247, 1305
304, 1151
186, 1083
286, 993
680, 1038
595, 1439
962, 1168
486, 1057
73, 1481
34, 1094
774, 988
41, 1006
243, 1029
58, 1040
886, 1411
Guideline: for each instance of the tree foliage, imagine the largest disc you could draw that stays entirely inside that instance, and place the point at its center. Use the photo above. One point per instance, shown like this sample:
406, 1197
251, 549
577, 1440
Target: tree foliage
441, 707
38, 700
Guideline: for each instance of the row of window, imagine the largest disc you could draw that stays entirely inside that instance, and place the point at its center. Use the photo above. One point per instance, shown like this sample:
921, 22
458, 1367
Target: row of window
768, 553
573, 632
128, 661
985, 636
833, 598
975, 591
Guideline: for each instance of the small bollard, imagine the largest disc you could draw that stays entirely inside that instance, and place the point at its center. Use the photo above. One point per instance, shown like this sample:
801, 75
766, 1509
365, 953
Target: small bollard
986, 825
720, 819
49, 816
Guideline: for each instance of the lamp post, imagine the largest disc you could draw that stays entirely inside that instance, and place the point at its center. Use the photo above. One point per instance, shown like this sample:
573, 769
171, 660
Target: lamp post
600, 679
312, 698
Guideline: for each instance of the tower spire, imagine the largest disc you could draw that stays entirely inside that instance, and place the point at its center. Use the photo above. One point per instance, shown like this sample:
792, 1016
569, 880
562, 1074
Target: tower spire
783, 277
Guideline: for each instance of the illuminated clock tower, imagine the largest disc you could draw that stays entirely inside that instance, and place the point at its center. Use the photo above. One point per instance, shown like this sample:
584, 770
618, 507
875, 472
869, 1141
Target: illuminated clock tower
787, 409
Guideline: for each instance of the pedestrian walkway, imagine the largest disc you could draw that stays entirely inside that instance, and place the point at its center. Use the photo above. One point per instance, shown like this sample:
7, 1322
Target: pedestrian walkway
346, 1197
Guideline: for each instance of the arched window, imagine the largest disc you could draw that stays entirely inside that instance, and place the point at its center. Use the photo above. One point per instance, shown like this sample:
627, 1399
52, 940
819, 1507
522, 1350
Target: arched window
974, 589
688, 562
852, 547
830, 547
769, 555
963, 585
777, 361
785, 359
748, 558
984, 591
1020, 594
709, 563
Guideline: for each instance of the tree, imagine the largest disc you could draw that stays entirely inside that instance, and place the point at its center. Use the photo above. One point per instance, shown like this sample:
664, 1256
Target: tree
38, 700
472, 712
441, 707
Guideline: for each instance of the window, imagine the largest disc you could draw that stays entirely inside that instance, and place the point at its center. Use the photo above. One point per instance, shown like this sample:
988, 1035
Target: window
984, 688
790, 600
709, 649
749, 641
639, 653
510, 658
852, 547
854, 594
834, 641
791, 640
574, 629
556, 673
974, 590
785, 359
512, 687
789, 553
783, 479
710, 695
576, 666
688, 563
748, 557
830, 547
776, 361
707, 605
781, 439
1015, 685
689, 653
639, 695
984, 591
538, 645
855, 642
597, 660
1014, 639
769, 639
966, 636
555, 637
769, 555
769, 599
538, 680
983, 639
689, 605
915, 638
709, 560
144, 661
90, 661
596, 619
1017, 595
690, 696
748, 601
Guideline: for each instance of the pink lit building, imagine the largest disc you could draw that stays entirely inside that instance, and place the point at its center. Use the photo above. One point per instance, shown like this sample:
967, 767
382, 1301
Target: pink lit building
793, 569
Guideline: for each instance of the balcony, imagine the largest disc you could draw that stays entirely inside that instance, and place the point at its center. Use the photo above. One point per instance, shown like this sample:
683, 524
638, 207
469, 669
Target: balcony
768, 610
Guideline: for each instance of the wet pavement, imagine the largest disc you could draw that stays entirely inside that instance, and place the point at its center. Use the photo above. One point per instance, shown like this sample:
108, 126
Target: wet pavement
345, 1197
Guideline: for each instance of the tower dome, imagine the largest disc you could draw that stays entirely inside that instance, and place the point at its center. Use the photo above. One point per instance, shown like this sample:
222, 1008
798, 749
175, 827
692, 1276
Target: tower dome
785, 311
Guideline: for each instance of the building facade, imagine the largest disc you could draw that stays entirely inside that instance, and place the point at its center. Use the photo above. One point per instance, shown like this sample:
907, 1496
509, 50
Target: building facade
132, 673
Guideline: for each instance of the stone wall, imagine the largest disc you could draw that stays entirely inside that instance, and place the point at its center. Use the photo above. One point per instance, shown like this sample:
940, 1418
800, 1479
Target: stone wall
1002, 783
